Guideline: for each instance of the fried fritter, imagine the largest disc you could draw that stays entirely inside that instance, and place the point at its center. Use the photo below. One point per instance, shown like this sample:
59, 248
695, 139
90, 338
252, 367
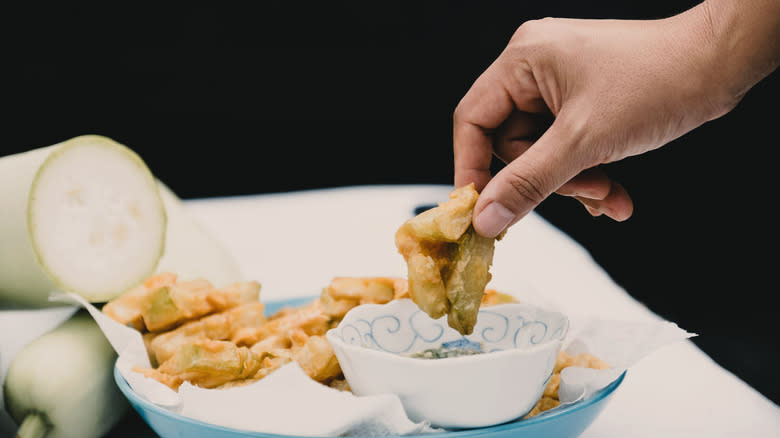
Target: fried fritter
317, 359
207, 363
219, 326
544, 404
584, 360
309, 319
340, 383
550, 398
162, 302
128, 308
493, 297
171, 305
344, 293
448, 263
469, 273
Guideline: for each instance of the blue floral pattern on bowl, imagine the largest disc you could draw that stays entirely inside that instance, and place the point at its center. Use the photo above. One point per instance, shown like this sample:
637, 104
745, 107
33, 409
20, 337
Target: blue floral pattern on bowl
400, 327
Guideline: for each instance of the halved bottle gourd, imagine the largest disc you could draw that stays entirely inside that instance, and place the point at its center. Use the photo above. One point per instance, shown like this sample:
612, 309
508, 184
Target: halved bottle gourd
82, 216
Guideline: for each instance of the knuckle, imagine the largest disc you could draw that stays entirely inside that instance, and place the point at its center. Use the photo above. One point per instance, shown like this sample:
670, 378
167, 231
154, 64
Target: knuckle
574, 127
581, 142
457, 115
533, 40
526, 187
532, 28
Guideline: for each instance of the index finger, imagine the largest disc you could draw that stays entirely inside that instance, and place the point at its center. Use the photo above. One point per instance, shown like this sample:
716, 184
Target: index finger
489, 102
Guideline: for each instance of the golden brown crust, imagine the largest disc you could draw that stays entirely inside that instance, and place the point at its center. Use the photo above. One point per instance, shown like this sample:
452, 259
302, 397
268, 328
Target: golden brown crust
448, 263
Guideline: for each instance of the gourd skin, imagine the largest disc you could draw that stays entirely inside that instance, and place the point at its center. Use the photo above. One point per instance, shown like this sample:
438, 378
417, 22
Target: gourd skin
19, 268
66, 377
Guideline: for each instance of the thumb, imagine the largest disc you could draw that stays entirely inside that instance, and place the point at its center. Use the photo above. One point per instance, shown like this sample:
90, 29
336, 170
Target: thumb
526, 181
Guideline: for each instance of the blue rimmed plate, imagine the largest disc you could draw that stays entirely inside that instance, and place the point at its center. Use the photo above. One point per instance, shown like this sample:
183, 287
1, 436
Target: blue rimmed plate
568, 421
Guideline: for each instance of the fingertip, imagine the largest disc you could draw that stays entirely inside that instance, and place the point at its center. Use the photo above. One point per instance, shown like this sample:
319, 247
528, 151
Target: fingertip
617, 205
590, 183
492, 220
621, 206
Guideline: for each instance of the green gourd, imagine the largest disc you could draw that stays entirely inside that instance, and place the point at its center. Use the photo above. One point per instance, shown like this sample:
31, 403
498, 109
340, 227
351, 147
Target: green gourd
61, 384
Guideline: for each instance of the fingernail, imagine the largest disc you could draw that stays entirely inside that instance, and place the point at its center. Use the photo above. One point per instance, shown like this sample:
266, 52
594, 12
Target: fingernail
493, 219
593, 206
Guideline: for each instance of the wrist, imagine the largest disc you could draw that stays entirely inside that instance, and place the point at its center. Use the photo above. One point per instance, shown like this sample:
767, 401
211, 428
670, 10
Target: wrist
739, 44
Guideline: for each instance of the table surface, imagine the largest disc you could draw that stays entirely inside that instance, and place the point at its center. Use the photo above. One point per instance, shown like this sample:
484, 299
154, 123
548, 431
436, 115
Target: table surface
295, 243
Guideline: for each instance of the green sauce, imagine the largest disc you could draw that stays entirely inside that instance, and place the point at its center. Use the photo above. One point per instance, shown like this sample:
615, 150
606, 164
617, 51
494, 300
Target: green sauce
461, 347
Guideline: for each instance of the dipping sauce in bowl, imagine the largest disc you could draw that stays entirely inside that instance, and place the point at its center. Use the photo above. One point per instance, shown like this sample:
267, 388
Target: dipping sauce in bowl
494, 375
461, 347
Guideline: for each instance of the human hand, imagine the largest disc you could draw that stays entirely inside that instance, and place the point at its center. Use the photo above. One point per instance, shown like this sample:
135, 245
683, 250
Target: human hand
615, 88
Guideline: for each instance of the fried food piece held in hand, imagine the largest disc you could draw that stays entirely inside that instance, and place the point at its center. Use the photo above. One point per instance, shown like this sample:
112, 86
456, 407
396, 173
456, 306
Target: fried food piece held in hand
449, 220
448, 263
469, 273
427, 243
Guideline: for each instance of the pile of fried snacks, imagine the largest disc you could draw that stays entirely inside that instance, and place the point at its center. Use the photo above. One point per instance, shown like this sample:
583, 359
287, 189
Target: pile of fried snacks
219, 337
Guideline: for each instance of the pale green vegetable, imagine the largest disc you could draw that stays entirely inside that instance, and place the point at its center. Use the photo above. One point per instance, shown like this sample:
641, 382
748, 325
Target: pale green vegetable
81, 216
61, 385
191, 251
470, 273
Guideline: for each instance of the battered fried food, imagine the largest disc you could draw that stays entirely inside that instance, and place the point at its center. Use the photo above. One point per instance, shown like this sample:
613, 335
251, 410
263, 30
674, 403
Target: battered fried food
344, 293
469, 273
317, 359
171, 305
309, 319
168, 380
219, 327
448, 262
544, 404
128, 308
207, 363
584, 360
340, 384
163, 302
549, 398
493, 297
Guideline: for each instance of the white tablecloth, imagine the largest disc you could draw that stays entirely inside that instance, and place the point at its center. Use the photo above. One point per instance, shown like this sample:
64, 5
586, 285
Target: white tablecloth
295, 243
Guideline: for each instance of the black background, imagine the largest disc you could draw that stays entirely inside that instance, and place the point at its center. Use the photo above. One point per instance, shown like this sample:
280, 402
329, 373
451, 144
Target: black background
226, 100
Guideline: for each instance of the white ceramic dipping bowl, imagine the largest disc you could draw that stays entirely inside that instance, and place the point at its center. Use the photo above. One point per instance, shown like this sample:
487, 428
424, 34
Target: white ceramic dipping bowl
521, 343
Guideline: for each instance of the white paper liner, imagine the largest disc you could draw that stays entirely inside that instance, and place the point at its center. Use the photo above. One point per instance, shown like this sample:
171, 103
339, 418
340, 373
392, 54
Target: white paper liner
288, 402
